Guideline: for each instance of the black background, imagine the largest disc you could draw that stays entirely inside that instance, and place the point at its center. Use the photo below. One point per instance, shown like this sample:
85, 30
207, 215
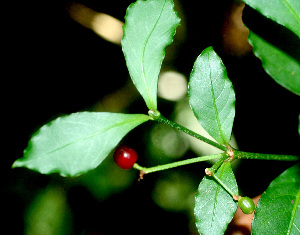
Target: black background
54, 66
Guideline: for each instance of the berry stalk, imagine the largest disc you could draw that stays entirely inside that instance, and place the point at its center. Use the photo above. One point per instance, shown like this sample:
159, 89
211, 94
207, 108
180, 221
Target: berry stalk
146, 170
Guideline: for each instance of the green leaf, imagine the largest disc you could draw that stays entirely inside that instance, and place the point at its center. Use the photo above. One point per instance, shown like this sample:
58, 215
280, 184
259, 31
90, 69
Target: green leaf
278, 210
282, 67
211, 96
76, 143
149, 28
214, 207
284, 12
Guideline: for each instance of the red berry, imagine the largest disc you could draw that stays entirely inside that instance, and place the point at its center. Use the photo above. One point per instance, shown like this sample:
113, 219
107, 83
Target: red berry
125, 157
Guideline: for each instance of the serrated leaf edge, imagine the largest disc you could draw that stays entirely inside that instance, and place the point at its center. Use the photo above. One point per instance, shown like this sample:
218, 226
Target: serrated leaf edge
263, 62
152, 105
266, 14
219, 187
222, 133
23, 162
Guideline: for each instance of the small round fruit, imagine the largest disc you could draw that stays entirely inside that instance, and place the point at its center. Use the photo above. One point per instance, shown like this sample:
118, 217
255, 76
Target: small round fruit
246, 204
125, 157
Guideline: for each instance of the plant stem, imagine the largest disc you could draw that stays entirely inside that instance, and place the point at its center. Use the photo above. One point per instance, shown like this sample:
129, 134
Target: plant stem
158, 117
216, 166
261, 156
146, 170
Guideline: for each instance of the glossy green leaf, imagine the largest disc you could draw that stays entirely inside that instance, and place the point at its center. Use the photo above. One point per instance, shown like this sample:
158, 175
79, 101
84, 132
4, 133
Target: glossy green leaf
282, 67
214, 206
278, 210
149, 27
211, 96
76, 143
284, 12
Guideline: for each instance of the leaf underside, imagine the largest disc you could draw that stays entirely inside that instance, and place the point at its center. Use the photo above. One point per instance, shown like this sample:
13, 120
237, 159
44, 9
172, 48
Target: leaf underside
211, 96
214, 207
278, 210
149, 28
77, 143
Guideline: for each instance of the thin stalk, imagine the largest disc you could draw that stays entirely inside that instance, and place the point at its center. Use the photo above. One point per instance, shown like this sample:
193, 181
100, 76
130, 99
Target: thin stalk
146, 170
216, 166
158, 117
262, 156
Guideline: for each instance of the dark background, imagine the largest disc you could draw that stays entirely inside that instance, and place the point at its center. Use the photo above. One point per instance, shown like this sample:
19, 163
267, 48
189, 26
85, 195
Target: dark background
55, 66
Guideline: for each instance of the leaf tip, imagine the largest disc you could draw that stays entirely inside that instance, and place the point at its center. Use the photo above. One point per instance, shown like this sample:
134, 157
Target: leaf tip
17, 164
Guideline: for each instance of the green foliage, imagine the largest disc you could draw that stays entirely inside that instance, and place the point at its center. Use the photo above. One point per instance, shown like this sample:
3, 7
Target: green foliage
284, 12
214, 206
74, 144
149, 28
79, 142
211, 96
282, 67
278, 210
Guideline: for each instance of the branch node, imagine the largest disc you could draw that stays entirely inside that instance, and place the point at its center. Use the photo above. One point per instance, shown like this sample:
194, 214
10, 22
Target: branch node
142, 173
208, 172
230, 154
155, 115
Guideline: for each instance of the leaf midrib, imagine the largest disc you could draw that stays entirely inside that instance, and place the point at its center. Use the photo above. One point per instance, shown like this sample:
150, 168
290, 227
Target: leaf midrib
143, 55
294, 212
292, 10
91, 135
219, 187
214, 104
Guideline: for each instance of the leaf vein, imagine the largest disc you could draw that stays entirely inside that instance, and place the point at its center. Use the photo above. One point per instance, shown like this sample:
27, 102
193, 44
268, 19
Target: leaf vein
90, 135
214, 104
144, 50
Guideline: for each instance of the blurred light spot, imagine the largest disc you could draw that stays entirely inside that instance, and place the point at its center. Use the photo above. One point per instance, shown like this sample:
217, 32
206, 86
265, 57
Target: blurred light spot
175, 192
106, 26
107, 179
167, 142
172, 85
48, 213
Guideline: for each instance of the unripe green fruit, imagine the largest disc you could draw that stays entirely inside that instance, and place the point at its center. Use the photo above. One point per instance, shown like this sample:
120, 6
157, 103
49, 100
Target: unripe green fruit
246, 204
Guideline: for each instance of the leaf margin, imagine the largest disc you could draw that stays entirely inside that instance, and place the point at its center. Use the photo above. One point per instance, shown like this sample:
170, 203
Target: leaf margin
150, 99
219, 187
222, 138
262, 205
255, 4
254, 39
38, 136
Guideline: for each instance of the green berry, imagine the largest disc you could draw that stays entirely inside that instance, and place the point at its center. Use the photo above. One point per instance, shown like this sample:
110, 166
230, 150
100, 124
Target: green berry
246, 204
